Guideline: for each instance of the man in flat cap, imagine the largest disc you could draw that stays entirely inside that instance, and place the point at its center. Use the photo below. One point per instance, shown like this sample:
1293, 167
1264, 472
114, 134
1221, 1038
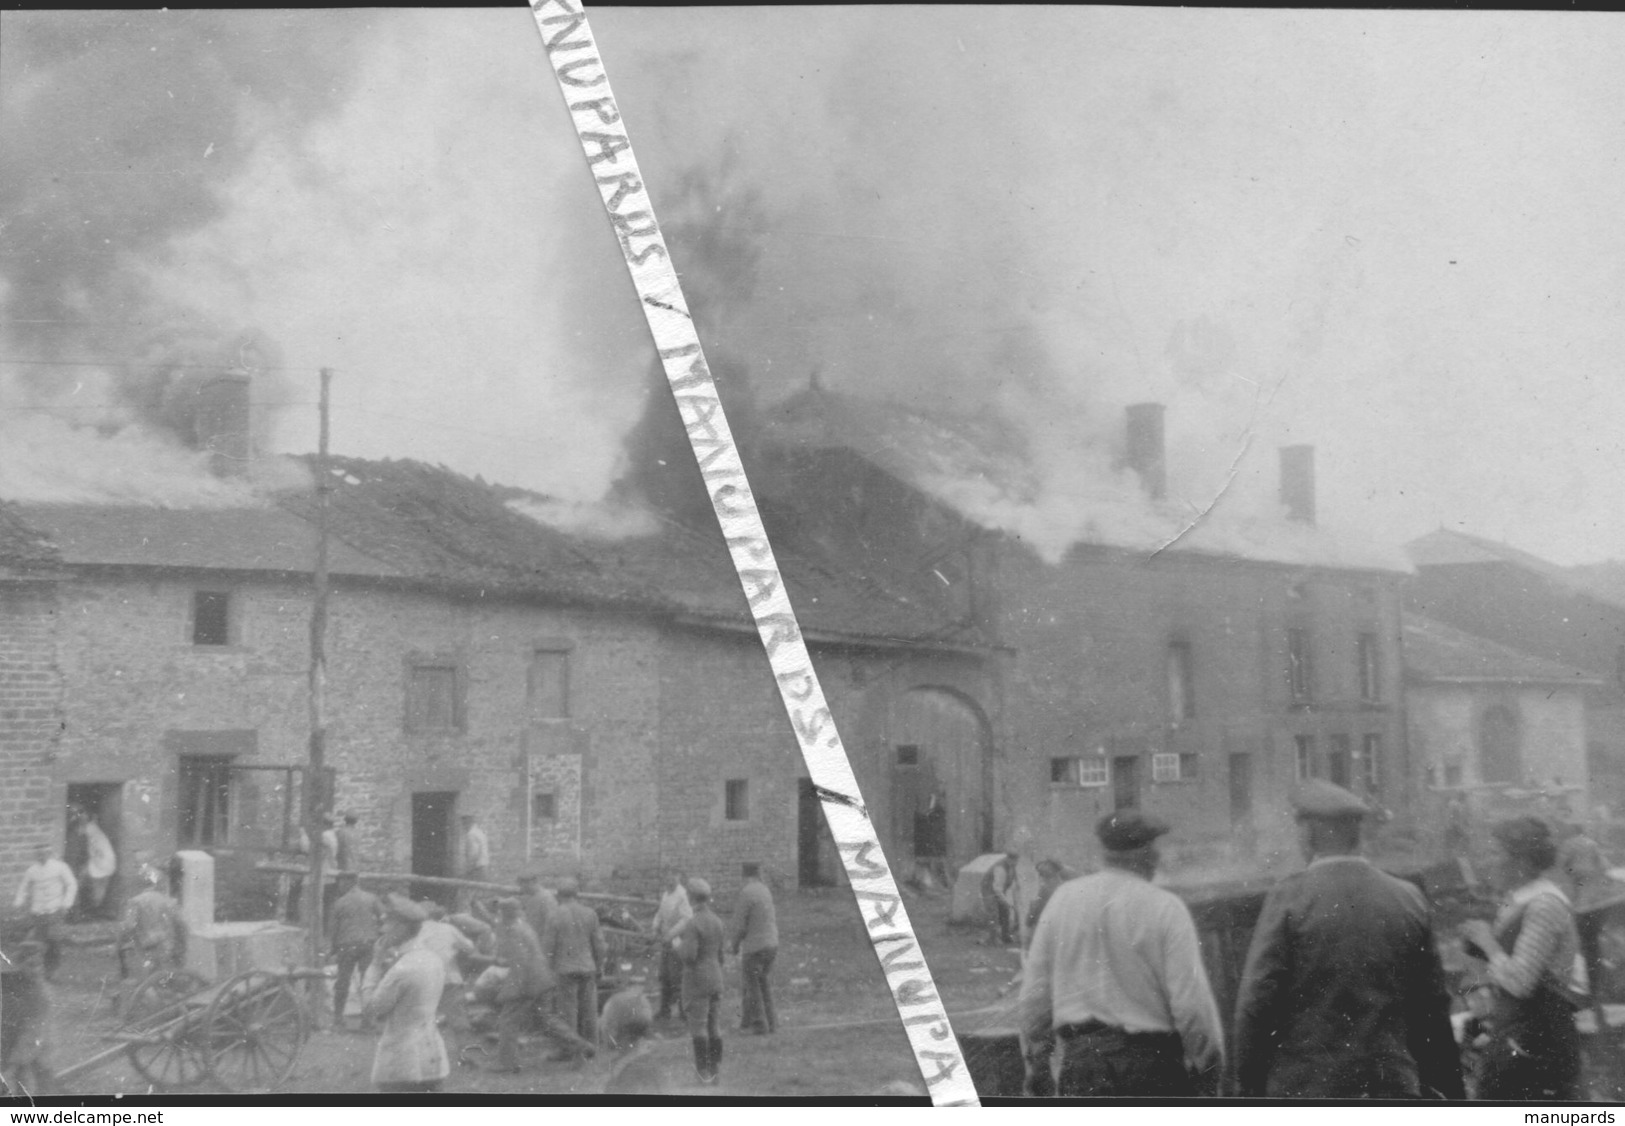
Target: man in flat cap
1116, 975
575, 950
1343, 995
410, 1055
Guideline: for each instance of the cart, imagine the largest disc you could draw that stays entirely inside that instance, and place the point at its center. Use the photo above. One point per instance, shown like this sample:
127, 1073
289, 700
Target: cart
244, 1034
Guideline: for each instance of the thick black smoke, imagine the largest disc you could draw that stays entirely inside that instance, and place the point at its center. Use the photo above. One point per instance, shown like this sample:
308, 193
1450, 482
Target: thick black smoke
713, 223
120, 133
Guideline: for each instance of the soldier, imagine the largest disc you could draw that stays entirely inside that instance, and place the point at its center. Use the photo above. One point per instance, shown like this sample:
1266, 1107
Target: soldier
575, 951
352, 930
674, 912
700, 945
755, 934
1343, 995
536, 902
152, 928
411, 1056
1116, 974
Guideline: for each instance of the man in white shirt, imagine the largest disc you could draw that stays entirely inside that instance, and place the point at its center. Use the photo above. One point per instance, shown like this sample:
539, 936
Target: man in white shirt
675, 910
476, 856
48, 891
1115, 973
102, 862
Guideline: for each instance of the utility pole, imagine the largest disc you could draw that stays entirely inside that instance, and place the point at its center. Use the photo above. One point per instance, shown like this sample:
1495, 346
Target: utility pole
316, 776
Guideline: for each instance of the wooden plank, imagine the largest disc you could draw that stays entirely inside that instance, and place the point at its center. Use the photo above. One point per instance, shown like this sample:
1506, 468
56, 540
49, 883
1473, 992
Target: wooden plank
451, 881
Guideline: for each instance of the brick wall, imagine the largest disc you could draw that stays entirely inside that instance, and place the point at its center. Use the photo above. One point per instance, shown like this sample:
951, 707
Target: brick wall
30, 723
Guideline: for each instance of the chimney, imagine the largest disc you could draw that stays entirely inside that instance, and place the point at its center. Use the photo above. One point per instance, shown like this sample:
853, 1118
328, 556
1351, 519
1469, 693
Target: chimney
1145, 453
221, 423
1298, 483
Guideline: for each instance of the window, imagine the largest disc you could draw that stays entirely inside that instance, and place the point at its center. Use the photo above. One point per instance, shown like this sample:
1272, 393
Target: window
736, 799
204, 811
1181, 689
1298, 671
434, 697
1370, 658
1337, 761
908, 755
1306, 756
211, 617
1371, 764
1188, 766
1078, 770
547, 684
1164, 768
544, 806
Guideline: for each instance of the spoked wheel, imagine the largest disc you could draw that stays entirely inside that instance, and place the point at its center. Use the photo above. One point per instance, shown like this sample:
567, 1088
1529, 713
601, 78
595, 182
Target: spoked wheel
169, 1056
253, 1031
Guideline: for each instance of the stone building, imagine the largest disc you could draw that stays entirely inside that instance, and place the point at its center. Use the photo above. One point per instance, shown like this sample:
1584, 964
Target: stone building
1508, 596
1199, 675
1503, 729
599, 701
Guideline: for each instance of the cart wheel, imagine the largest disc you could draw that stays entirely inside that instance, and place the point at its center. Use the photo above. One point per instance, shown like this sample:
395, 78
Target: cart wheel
253, 1031
157, 1008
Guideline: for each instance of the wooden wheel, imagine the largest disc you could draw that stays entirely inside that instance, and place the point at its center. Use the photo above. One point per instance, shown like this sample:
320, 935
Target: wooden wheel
253, 1031
169, 1056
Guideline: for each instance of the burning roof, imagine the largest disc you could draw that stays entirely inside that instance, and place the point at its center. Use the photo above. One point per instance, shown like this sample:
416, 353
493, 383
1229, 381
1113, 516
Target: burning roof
985, 469
410, 523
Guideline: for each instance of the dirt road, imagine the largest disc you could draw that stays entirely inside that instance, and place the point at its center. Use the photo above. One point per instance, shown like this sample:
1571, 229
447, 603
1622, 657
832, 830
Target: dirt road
838, 1034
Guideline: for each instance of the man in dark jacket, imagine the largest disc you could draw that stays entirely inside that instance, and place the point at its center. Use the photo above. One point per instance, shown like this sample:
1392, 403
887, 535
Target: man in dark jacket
699, 944
754, 934
352, 930
1343, 995
575, 950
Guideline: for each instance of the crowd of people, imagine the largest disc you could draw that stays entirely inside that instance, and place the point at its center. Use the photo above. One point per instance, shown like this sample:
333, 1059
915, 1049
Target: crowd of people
1343, 994
530, 966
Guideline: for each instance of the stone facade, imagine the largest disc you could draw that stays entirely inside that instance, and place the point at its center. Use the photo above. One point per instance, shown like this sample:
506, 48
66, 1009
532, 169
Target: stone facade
30, 725
1099, 641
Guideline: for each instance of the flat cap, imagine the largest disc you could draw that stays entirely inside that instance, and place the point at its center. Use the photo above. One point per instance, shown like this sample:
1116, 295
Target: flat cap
403, 908
699, 886
1325, 800
1128, 829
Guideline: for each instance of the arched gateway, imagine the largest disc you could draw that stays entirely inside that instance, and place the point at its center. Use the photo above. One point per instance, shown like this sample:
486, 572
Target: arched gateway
940, 805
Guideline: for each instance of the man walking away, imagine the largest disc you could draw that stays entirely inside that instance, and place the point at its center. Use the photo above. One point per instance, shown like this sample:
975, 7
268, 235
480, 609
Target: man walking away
1115, 973
411, 1056
152, 928
1343, 995
755, 934
700, 945
537, 903
47, 892
674, 912
352, 931
575, 951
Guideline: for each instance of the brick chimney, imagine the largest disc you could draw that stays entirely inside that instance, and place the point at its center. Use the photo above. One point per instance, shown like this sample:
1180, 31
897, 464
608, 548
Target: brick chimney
1144, 453
1298, 483
221, 423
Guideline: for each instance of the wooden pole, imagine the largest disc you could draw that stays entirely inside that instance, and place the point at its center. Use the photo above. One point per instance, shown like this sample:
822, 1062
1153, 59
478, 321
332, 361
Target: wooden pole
316, 776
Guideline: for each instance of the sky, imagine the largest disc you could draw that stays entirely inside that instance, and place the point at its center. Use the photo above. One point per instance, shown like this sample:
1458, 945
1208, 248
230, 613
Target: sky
1392, 235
